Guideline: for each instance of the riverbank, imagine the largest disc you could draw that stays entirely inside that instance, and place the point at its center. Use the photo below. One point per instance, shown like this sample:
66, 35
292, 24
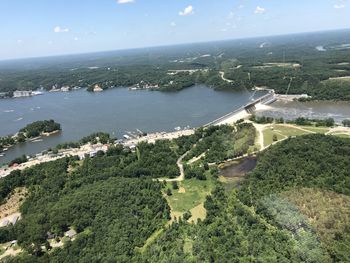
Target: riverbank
143, 111
116, 112
92, 149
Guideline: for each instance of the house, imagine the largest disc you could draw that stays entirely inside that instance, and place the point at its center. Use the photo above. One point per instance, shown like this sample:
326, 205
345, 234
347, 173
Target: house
132, 147
50, 235
82, 156
97, 88
71, 233
93, 154
22, 93
65, 88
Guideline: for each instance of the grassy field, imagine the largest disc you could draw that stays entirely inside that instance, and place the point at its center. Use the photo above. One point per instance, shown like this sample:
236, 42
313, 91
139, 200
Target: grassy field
321, 130
289, 131
268, 136
341, 135
190, 197
230, 183
284, 131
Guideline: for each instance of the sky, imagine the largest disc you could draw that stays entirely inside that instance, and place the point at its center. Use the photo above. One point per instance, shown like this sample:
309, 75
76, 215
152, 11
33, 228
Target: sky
34, 28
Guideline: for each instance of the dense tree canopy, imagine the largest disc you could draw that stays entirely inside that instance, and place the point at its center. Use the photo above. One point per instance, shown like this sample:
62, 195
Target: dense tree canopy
114, 205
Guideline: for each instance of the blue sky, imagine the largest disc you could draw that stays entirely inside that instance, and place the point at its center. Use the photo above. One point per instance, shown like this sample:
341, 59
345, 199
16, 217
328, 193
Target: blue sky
31, 28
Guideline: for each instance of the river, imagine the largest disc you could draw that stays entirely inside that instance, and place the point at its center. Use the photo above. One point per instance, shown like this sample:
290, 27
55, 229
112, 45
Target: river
114, 111
290, 110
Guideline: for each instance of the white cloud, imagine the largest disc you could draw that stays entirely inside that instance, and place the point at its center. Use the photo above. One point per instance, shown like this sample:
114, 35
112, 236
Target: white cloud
173, 24
231, 15
259, 10
19, 41
59, 29
187, 11
125, 1
76, 39
339, 6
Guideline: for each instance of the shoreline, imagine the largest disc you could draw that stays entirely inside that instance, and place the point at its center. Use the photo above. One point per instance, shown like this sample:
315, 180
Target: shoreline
34, 139
243, 112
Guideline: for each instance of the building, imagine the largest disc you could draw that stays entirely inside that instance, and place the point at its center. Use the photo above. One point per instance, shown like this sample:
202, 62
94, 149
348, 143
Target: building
97, 88
22, 93
93, 154
71, 233
65, 88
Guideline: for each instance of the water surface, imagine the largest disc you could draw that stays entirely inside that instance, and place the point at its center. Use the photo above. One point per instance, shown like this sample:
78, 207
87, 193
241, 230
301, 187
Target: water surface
290, 110
115, 111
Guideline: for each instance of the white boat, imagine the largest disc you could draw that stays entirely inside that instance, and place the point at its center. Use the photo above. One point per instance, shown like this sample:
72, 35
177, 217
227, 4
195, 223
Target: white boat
36, 93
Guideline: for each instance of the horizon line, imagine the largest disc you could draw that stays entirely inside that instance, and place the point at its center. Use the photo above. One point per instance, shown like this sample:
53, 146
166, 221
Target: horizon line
170, 45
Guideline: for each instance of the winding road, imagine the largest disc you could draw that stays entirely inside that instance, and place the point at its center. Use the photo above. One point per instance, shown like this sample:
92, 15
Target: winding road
181, 168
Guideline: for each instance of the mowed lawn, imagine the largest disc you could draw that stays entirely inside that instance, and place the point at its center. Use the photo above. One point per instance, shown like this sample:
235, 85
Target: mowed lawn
190, 197
321, 130
342, 135
285, 131
268, 136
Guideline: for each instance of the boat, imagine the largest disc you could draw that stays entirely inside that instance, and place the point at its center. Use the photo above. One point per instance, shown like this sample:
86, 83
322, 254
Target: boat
36, 93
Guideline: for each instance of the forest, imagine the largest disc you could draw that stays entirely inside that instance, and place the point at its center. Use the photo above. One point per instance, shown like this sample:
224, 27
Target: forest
291, 208
288, 64
37, 128
114, 205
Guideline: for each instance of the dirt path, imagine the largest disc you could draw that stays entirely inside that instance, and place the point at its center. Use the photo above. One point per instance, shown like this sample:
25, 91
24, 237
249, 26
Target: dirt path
195, 159
299, 128
181, 168
222, 75
344, 130
260, 128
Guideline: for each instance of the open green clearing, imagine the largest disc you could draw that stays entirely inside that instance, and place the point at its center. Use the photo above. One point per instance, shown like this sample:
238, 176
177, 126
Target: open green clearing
269, 134
341, 135
191, 194
288, 130
321, 130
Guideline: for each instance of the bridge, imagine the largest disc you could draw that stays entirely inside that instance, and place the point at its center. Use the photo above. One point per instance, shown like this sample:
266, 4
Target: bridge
249, 108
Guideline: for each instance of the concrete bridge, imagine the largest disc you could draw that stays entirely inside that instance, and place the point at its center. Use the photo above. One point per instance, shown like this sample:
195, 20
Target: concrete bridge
249, 108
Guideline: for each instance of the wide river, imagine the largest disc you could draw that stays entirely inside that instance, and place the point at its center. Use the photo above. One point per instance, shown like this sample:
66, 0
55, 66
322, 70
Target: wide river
114, 111
119, 110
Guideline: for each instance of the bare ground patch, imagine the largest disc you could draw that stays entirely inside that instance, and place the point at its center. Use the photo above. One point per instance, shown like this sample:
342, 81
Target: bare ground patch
13, 202
182, 190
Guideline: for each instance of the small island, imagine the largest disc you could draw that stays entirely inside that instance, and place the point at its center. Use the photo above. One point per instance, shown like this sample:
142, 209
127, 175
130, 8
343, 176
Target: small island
30, 132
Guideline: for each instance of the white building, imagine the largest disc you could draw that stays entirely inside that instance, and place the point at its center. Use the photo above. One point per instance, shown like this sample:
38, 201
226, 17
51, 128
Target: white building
22, 93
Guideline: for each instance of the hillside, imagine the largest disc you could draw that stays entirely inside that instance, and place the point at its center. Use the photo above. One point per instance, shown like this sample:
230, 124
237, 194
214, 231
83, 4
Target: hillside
283, 221
291, 208
290, 64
